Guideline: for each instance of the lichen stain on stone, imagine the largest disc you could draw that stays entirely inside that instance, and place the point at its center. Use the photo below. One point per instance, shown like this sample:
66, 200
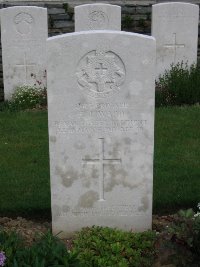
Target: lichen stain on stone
86, 181
145, 204
86, 157
52, 139
88, 199
127, 141
68, 176
89, 175
115, 150
95, 173
118, 177
65, 158
79, 145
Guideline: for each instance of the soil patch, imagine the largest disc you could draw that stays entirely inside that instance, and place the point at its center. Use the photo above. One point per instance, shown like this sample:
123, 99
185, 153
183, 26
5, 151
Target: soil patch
29, 230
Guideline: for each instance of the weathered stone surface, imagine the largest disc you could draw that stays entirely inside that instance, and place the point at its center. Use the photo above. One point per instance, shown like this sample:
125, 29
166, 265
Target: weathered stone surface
23, 35
97, 17
101, 129
175, 27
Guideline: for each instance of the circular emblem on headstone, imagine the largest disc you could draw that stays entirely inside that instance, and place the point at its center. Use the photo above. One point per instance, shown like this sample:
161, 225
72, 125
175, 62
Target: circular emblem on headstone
98, 20
100, 74
23, 23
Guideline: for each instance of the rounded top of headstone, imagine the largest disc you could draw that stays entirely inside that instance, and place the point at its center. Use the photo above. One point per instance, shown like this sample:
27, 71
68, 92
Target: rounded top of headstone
175, 9
99, 32
97, 5
97, 16
178, 4
23, 7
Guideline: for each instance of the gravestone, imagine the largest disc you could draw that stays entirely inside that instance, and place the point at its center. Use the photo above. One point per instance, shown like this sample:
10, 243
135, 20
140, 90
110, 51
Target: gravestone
97, 17
23, 35
175, 27
101, 129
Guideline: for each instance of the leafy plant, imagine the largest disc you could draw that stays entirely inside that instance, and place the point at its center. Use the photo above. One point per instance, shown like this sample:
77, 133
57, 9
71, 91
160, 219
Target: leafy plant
68, 10
47, 251
4, 106
10, 243
98, 246
27, 97
183, 235
179, 86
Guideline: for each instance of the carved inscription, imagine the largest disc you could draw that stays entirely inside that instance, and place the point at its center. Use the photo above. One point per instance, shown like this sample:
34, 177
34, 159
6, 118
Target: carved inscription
101, 118
84, 127
100, 74
98, 20
121, 210
23, 22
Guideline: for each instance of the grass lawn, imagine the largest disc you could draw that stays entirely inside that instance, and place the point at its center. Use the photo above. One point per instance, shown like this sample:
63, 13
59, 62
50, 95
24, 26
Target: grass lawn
24, 162
177, 158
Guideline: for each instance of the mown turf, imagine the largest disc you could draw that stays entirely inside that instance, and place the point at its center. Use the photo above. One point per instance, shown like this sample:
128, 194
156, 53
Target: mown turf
24, 161
177, 158
24, 164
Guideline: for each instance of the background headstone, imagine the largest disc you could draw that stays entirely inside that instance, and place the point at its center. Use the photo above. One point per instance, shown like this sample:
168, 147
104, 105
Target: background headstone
23, 33
101, 129
97, 17
175, 27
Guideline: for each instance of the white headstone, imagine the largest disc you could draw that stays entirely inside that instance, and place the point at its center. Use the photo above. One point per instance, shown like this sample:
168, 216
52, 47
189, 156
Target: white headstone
175, 28
97, 17
23, 35
101, 129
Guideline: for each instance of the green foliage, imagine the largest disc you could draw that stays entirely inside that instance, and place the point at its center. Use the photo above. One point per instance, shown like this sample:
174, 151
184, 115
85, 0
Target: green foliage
98, 246
141, 23
10, 244
51, 21
66, 7
68, 10
47, 251
148, 14
127, 22
26, 97
4, 106
179, 86
183, 236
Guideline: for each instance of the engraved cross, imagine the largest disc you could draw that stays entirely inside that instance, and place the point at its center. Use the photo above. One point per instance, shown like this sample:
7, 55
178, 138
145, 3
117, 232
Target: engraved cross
101, 70
26, 66
101, 161
174, 46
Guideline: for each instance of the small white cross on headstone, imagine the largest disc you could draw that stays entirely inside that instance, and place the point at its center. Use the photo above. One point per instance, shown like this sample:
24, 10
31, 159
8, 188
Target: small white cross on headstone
101, 161
174, 46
